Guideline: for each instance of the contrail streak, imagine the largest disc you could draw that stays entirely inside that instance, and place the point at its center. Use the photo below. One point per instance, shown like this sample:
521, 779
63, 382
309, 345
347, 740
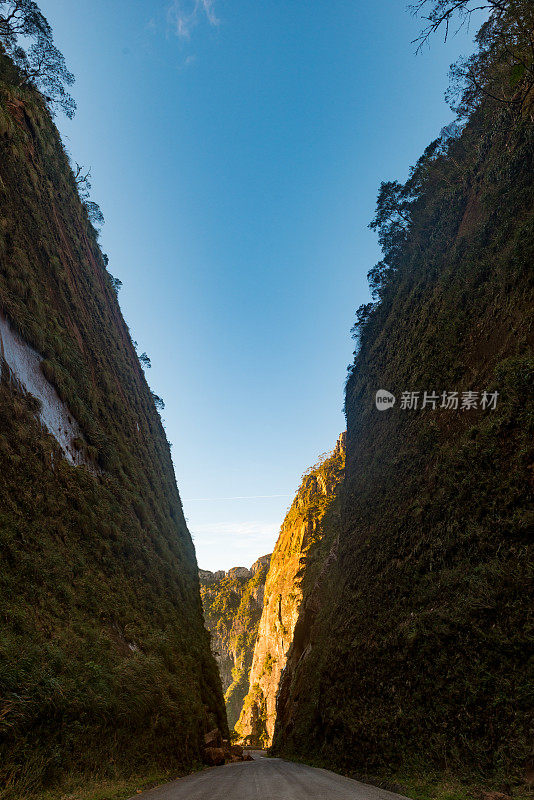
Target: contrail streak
244, 497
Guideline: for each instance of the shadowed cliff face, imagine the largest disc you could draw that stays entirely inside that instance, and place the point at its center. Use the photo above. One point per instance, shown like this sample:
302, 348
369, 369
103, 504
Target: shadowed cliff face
105, 665
233, 603
412, 646
302, 528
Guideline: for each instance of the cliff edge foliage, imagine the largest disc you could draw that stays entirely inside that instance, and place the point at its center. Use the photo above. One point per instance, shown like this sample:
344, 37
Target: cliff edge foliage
105, 665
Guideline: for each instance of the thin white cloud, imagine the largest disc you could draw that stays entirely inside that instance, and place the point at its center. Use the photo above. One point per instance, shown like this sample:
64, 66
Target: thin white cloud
239, 530
184, 15
239, 497
221, 545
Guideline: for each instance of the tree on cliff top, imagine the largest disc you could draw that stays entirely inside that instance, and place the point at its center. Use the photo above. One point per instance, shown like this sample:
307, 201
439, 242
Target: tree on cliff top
502, 68
500, 75
40, 62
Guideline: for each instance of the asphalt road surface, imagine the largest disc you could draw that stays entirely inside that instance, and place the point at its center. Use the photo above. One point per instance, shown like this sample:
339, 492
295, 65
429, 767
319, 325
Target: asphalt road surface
266, 779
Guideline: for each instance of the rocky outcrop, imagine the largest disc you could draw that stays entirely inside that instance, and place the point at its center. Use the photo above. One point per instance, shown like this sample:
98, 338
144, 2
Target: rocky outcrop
233, 604
206, 577
260, 563
239, 572
217, 750
302, 527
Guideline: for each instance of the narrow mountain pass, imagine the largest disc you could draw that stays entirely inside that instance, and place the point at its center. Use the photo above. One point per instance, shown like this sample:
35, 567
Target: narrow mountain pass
267, 779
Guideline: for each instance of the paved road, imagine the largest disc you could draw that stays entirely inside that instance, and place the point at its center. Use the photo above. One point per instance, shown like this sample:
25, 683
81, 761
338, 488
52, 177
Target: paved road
266, 779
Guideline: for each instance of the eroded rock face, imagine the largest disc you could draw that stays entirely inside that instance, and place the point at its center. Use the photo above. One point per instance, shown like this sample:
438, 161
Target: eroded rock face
301, 528
233, 603
260, 563
24, 365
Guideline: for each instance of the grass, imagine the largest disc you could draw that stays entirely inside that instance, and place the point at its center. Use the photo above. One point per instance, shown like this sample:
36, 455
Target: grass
421, 782
109, 788
445, 786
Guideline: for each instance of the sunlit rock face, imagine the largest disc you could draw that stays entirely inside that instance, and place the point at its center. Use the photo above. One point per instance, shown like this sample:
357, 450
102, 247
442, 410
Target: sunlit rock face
260, 563
24, 365
302, 527
233, 603
239, 572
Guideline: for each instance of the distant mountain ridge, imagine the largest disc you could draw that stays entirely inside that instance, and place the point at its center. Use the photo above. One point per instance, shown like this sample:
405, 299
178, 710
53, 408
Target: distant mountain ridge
235, 572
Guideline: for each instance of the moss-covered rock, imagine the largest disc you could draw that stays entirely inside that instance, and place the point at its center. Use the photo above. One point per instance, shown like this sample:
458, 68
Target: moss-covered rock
105, 665
413, 649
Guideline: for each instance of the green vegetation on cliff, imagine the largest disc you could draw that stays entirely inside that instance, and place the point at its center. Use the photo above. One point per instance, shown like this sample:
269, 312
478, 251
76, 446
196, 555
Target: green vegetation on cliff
412, 651
105, 666
232, 609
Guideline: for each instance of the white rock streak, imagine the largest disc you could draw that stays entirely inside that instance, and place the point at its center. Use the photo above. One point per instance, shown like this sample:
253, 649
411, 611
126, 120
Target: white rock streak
24, 364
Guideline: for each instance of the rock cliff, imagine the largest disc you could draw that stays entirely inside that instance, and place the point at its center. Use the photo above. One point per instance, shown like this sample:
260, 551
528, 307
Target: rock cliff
302, 528
105, 665
233, 603
411, 649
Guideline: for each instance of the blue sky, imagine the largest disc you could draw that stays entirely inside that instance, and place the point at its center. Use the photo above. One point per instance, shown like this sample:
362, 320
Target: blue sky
236, 149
